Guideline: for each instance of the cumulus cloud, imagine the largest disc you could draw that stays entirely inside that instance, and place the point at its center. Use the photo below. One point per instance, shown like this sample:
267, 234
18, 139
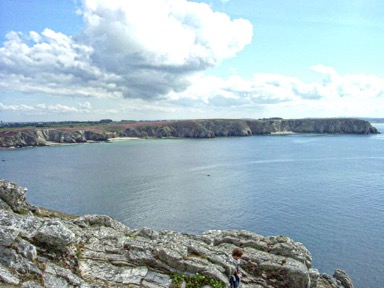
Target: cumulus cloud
54, 64
352, 85
335, 94
133, 49
156, 45
154, 53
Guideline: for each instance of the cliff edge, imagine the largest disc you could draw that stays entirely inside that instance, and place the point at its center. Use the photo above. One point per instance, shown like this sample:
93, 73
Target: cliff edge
210, 128
43, 248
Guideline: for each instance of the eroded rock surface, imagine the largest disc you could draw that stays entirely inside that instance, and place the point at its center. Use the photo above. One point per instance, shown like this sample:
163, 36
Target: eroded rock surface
41, 248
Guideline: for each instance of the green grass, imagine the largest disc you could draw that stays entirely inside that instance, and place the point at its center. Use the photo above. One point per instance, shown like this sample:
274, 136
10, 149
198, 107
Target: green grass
196, 281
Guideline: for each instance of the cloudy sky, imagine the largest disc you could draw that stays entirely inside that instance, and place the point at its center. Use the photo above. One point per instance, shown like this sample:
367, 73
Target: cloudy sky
178, 59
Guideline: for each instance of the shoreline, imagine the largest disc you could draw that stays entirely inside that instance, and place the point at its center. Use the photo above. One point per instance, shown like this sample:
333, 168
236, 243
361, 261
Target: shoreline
283, 133
53, 144
118, 139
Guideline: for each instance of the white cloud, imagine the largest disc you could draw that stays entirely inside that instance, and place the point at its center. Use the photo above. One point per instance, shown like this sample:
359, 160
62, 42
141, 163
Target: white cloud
15, 107
55, 64
133, 49
154, 53
163, 33
335, 95
45, 108
85, 105
157, 45
264, 95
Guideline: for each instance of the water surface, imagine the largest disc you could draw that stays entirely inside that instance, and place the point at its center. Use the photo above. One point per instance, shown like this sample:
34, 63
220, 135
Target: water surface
326, 191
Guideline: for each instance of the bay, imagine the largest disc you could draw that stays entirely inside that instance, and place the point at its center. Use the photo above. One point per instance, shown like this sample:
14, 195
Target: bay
326, 191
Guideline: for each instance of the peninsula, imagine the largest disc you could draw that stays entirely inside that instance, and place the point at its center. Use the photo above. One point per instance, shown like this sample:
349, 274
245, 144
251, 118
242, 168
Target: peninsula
44, 248
45, 134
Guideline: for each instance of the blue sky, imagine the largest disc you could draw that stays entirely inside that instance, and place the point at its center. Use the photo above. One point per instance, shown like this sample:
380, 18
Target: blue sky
178, 59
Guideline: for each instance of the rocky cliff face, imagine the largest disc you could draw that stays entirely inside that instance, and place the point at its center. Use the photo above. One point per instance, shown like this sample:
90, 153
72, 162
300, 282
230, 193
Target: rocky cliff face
191, 129
42, 248
220, 128
43, 137
185, 129
330, 126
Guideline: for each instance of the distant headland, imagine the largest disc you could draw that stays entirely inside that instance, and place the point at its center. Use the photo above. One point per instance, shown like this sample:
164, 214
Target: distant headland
17, 135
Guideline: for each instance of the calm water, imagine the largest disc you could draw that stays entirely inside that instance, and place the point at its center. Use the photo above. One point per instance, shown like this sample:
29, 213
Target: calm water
326, 191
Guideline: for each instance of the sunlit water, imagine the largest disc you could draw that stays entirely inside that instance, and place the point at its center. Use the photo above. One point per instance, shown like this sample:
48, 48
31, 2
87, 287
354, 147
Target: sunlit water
326, 191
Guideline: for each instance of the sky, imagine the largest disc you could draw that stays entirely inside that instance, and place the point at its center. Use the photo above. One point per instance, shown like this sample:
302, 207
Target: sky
86, 60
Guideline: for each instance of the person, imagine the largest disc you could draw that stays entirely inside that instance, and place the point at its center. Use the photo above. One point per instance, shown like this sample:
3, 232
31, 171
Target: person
235, 260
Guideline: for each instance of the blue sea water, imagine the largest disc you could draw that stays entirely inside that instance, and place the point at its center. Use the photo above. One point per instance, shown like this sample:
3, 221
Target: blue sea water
326, 191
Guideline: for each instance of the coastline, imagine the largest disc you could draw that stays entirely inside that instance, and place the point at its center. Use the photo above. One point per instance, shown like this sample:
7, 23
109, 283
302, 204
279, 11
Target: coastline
283, 133
118, 139
50, 136
51, 143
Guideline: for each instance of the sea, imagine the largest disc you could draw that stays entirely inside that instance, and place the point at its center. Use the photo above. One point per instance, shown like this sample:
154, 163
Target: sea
325, 191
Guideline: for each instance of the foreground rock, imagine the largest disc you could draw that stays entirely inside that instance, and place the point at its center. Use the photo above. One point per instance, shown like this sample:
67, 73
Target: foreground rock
42, 248
181, 129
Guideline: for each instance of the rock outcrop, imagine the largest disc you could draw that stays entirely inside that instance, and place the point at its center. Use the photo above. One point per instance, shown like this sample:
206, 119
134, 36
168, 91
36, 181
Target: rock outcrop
182, 129
43, 248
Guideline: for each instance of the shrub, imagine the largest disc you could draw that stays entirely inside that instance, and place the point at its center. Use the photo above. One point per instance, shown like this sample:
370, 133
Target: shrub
195, 281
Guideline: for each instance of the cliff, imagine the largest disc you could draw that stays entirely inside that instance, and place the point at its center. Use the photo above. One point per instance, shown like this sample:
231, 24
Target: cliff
43, 248
224, 127
35, 136
44, 137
